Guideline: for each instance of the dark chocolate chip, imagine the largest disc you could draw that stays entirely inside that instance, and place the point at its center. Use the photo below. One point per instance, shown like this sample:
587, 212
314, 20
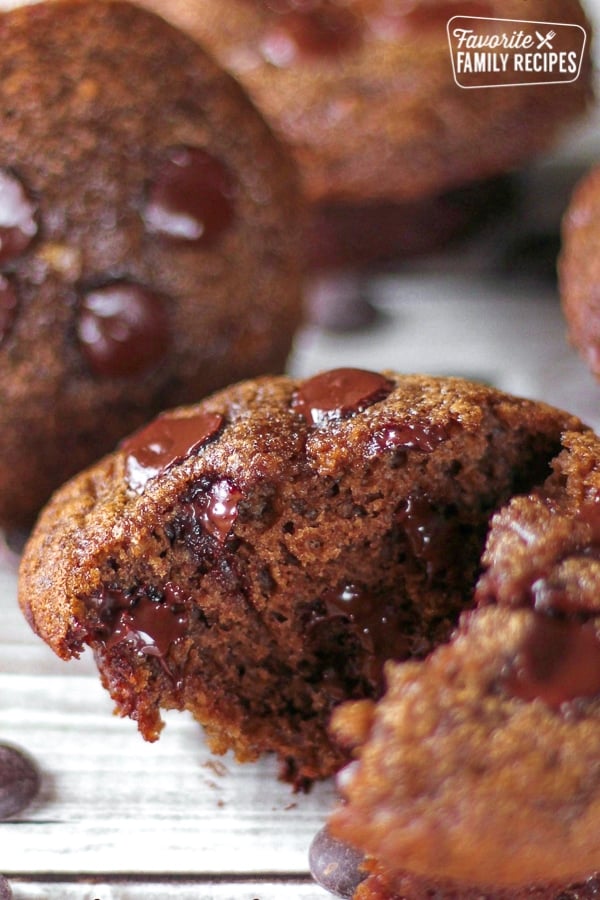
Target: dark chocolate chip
334, 865
18, 226
191, 197
339, 304
411, 436
19, 780
559, 662
152, 621
315, 31
164, 442
123, 330
221, 509
378, 621
339, 393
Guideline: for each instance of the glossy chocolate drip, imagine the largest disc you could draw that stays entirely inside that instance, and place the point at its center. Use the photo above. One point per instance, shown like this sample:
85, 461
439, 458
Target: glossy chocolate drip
376, 621
191, 197
433, 538
165, 441
209, 508
123, 330
8, 307
152, 623
220, 510
411, 436
313, 32
18, 224
339, 393
559, 662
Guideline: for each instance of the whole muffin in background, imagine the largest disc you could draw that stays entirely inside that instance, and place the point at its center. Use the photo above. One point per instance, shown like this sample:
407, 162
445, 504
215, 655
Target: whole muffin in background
256, 558
149, 229
579, 269
363, 90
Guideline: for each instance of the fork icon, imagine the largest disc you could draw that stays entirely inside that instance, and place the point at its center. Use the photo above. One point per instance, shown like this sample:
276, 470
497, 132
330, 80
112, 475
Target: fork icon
545, 41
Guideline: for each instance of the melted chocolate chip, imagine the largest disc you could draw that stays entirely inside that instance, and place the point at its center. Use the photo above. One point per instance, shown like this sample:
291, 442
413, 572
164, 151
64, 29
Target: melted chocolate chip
165, 441
123, 330
191, 197
221, 510
8, 307
559, 662
150, 620
338, 394
316, 31
19, 781
433, 537
410, 436
379, 623
18, 226
210, 508
334, 865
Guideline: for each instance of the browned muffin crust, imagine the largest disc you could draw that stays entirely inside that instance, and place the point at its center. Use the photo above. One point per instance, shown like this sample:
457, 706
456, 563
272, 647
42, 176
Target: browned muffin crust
363, 90
477, 772
579, 269
289, 537
150, 242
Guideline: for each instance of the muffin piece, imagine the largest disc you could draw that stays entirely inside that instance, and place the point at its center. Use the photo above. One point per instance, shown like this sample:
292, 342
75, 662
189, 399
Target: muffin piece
579, 269
364, 94
149, 236
257, 557
477, 772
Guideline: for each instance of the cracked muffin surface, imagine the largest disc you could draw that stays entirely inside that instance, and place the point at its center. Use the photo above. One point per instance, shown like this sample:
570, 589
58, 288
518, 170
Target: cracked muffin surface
257, 557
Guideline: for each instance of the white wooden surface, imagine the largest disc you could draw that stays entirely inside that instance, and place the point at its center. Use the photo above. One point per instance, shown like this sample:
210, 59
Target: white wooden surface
118, 819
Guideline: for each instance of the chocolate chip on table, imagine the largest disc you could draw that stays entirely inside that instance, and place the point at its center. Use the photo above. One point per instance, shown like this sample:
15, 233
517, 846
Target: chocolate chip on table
5, 889
338, 303
335, 866
19, 781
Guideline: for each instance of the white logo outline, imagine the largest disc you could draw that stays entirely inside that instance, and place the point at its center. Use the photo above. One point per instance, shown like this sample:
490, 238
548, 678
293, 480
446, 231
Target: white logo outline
471, 87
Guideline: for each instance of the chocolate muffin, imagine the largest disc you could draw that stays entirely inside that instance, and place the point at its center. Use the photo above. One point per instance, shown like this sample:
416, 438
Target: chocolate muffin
364, 94
579, 269
257, 557
376, 235
149, 236
476, 774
